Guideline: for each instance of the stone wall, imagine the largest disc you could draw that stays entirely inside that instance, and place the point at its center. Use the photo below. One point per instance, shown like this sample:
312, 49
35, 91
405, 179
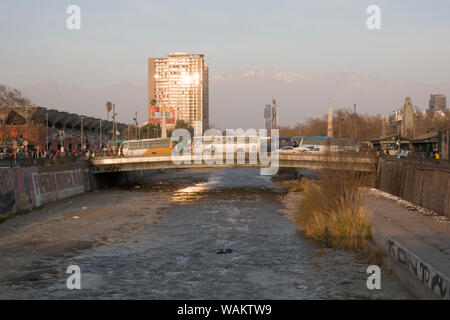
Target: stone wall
422, 184
29, 187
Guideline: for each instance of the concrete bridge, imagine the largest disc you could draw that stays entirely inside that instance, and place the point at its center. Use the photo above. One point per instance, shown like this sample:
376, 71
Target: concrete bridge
285, 160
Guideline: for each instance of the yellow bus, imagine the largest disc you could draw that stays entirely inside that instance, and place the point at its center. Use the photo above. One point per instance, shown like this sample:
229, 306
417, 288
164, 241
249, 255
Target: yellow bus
146, 147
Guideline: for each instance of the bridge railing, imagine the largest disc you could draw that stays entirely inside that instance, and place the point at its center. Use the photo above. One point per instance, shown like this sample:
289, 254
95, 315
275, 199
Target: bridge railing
420, 160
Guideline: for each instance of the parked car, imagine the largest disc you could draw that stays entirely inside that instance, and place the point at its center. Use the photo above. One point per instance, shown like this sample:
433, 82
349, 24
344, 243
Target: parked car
402, 154
313, 149
4, 155
287, 149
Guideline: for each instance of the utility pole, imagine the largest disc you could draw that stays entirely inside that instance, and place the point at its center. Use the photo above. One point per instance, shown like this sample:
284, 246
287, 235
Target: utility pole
26, 129
163, 126
354, 122
82, 134
137, 127
108, 109
340, 120
114, 125
47, 130
101, 144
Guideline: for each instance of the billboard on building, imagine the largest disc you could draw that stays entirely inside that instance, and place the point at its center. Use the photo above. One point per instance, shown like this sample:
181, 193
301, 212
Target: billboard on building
156, 113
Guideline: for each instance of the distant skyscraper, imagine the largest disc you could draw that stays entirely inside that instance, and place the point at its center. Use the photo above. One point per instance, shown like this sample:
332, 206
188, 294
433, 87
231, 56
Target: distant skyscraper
180, 83
271, 116
437, 102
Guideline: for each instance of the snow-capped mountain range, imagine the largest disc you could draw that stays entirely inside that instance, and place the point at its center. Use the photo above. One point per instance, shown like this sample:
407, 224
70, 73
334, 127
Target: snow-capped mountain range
237, 98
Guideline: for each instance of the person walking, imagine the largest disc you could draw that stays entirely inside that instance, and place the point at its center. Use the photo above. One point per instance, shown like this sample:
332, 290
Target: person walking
11, 157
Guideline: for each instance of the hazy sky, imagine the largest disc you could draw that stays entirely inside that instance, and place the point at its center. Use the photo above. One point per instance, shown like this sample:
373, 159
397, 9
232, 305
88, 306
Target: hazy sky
116, 37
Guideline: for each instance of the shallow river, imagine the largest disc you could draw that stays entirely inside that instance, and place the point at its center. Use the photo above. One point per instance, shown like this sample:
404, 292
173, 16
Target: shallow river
162, 244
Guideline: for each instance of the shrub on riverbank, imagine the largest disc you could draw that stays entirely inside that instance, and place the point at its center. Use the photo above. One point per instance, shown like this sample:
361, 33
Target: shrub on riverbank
334, 210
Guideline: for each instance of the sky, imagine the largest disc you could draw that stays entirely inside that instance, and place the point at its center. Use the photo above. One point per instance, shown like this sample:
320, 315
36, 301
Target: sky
117, 36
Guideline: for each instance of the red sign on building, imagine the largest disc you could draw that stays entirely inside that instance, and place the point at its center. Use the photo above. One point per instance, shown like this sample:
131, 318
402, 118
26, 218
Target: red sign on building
155, 115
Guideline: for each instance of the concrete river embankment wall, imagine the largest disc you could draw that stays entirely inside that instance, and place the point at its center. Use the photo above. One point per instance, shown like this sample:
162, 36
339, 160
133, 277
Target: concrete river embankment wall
424, 185
417, 246
30, 187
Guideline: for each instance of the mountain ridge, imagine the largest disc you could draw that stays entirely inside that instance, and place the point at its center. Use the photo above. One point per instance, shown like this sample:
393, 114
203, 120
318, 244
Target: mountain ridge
299, 95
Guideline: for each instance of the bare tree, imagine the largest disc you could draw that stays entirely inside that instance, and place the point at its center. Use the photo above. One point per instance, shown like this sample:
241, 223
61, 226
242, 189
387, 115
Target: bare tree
12, 97
368, 127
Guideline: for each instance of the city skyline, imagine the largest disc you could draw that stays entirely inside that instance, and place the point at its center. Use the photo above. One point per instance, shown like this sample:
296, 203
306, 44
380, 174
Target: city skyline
299, 95
299, 38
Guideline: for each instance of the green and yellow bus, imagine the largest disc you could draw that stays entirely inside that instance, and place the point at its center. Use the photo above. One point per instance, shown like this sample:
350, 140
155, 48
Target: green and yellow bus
146, 147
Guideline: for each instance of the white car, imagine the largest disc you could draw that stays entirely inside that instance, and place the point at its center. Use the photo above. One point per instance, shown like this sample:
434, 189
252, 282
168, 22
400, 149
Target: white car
287, 149
312, 149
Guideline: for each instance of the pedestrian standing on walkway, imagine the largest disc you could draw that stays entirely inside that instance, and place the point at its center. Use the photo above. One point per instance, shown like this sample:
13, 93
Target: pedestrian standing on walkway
437, 156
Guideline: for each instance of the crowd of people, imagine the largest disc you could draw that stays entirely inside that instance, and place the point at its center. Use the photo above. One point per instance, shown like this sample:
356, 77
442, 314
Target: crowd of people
20, 155
407, 154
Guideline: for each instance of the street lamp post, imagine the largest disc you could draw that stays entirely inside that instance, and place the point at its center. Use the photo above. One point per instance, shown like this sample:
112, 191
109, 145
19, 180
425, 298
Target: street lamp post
112, 106
137, 126
47, 132
163, 123
82, 134
114, 125
26, 127
101, 143
354, 121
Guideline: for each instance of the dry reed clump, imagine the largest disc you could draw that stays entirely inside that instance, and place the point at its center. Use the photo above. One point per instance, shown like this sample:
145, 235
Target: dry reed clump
376, 255
334, 210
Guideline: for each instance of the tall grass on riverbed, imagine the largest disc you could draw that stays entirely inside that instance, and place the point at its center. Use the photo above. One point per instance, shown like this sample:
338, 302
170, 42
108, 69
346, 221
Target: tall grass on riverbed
334, 210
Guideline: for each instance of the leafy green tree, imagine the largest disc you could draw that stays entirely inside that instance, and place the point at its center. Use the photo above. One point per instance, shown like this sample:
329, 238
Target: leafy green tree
181, 124
150, 131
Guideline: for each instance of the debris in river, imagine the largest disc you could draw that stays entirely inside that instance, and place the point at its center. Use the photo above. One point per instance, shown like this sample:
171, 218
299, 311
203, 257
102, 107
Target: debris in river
224, 251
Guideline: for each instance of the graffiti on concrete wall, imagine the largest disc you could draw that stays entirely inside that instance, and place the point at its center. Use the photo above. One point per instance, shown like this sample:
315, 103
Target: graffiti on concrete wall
25, 188
431, 278
16, 190
53, 186
7, 202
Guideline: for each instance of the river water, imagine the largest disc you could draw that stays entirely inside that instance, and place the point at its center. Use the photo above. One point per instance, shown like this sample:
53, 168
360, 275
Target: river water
161, 243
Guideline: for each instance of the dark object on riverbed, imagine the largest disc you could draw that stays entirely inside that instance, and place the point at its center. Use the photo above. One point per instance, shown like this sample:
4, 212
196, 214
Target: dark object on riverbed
223, 251
286, 174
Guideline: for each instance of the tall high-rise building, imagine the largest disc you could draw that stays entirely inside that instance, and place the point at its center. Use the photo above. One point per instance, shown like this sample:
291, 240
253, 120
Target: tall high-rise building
179, 82
438, 102
271, 116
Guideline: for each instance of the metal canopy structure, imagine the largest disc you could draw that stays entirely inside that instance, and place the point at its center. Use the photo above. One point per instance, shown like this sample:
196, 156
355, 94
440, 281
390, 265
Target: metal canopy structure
17, 115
